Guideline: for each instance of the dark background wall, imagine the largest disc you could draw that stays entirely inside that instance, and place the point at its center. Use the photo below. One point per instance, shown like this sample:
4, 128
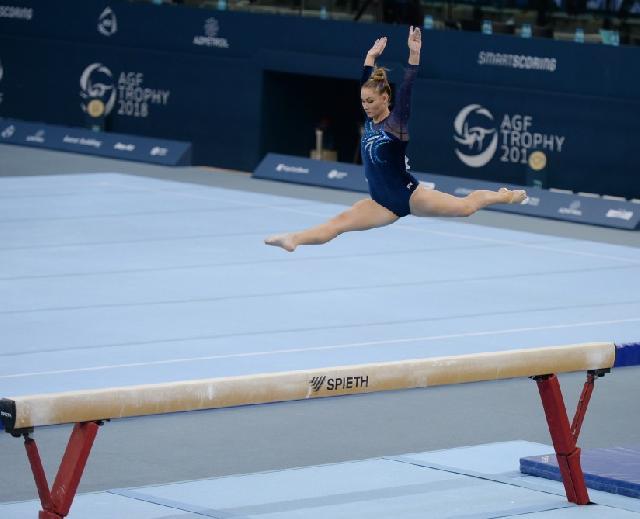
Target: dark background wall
238, 85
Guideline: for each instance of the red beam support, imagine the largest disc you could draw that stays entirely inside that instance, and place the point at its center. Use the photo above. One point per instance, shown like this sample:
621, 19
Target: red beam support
57, 502
581, 409
564, 441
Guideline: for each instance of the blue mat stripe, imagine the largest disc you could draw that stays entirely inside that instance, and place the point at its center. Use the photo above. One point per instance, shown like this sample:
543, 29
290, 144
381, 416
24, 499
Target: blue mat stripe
177, 505
627, 354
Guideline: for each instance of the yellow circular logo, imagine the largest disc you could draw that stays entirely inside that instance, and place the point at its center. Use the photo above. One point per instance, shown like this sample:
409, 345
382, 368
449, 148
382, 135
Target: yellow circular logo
537, 160
95, 108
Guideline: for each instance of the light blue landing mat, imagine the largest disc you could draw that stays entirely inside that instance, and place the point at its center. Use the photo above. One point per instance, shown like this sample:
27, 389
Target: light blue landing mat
479, 482
110, 280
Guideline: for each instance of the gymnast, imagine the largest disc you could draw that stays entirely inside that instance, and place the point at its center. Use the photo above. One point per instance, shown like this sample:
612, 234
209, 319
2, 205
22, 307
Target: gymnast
394, 191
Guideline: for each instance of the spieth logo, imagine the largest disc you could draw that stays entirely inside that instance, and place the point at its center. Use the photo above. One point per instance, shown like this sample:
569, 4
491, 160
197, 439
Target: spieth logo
107, 23
211, 28
335, 384
316, 383
8, 132
98, 90
476, 152
337, 175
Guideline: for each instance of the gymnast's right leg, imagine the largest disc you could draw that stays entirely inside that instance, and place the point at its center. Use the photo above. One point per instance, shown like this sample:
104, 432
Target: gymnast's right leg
363, 215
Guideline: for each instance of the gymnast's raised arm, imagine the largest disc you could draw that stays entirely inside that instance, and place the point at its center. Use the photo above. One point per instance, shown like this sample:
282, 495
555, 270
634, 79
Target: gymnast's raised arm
401, 109
372, 55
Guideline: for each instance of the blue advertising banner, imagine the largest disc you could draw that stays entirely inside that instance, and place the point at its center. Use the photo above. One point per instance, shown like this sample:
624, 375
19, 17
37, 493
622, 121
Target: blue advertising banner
78, 140
483, 105
542, 203
581, 143
178, 97
532, 64
464, 56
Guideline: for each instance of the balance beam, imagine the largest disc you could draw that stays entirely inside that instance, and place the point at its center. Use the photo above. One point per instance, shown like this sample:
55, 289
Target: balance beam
89, 409
122, 402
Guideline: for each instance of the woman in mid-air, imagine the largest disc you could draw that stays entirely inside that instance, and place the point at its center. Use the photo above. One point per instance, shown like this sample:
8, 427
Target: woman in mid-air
394, 191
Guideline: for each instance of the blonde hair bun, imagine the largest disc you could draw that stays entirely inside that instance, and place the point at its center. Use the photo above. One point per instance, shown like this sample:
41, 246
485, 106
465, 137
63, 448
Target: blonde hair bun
379, 74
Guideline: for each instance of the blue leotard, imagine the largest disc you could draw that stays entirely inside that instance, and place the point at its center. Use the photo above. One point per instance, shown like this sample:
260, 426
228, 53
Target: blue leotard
383, 147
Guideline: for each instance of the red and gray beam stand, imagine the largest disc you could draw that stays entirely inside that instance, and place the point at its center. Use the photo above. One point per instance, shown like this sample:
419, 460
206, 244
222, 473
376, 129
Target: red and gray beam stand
564, 435
57, 501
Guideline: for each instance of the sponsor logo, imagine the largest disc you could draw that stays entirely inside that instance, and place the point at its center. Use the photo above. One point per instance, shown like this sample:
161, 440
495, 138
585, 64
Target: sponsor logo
428, 185
478, 139
107, 22
81, 141
473, 137
518, 61
533, 201
100, 92
36, 137
211, 39
135, 99
124, 147
316, 383
8, 132
462, 191
338, 383
292, 169
5, 414
620, 213
21, 13
537, 161
337, 175
156, 151
572, 210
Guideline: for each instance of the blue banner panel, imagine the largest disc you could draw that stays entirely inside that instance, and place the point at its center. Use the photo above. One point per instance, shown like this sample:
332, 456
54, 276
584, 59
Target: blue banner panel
581, 143
501, 60
464, 56
209, 102
548, 204
78, 140
542, 203
299, 170
532, 64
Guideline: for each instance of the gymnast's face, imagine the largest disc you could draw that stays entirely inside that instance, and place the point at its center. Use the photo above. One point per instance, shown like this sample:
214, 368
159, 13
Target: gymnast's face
374, 104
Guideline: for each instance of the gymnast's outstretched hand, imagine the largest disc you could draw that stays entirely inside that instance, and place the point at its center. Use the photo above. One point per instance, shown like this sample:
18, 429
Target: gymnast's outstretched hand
378, 48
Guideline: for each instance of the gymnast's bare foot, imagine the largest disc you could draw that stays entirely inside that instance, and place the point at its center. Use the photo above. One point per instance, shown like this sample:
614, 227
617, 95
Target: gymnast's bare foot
284, 241
517, 196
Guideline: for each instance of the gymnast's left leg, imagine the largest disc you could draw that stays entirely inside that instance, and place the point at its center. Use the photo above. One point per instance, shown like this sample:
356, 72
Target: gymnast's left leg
363, 215
429, 202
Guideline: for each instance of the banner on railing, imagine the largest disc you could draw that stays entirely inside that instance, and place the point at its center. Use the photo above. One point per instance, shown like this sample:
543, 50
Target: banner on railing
113, 145
580, 208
